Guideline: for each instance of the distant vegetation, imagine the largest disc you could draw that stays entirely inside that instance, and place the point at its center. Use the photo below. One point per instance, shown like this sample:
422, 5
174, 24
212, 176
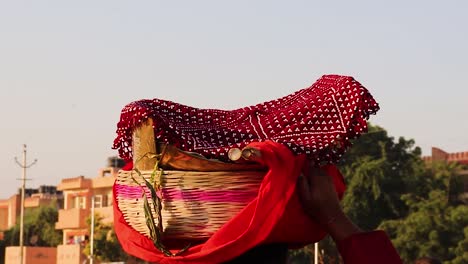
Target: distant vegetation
106, 245
39, 228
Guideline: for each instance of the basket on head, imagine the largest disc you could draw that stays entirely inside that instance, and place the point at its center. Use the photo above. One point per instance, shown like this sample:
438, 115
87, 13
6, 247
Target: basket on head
194, 204
173, 194
177, 195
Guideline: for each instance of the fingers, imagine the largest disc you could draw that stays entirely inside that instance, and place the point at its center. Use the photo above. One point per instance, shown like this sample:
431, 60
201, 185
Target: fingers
320, 172
312, 168
303, 188
310, 171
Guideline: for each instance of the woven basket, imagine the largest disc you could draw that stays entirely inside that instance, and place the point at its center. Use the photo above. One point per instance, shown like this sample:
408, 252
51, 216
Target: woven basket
194, 205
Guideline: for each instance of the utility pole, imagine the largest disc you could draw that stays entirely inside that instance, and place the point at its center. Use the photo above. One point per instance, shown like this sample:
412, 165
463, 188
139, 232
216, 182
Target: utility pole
23, 179
316, 253
91, 251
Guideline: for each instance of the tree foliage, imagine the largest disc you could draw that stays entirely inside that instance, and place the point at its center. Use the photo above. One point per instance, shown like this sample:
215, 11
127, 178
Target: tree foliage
39, 228
378, 171
106, 245
437, 223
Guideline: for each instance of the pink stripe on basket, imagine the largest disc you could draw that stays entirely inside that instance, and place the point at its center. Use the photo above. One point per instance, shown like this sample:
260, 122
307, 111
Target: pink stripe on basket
171, 194
131, 192
230, 196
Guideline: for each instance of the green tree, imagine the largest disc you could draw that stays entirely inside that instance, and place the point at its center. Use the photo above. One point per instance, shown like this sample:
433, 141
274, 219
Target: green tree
436, 224
106, 245
378, 170
39, 228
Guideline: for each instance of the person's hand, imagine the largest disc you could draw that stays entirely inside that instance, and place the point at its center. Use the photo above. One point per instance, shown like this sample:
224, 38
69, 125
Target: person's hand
317, 194
320, 202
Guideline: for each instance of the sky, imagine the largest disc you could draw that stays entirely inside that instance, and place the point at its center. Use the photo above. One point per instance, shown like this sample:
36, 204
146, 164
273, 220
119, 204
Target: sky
67, 68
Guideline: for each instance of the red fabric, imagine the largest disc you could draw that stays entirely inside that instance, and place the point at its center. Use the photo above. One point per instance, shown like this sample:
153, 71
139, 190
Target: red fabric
274, 216
318, 121
368, 248
311, 121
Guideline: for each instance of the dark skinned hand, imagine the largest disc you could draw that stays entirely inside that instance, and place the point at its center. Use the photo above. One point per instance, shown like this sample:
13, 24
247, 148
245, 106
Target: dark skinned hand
320, 202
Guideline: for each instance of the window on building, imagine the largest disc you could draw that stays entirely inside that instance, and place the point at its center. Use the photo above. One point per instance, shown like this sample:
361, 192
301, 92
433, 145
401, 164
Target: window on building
109, 199
104, 201
79, 202
98, 201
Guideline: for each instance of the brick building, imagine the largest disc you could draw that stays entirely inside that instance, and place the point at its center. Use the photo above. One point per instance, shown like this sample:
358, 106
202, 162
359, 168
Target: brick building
78, 193
74, 197
439, 155
10, 208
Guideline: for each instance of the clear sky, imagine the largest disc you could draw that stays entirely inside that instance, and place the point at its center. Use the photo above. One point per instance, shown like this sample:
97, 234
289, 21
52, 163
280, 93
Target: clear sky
68, 67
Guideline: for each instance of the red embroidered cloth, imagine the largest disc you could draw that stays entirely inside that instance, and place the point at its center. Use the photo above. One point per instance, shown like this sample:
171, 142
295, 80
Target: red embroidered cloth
318, 121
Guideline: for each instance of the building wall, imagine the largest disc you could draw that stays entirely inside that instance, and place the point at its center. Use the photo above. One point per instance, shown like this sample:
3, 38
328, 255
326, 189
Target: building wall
3, 217
74, 196
14, 209
460, 157
32, 255
78, 193
10, 208
70, 254
9, 212
438, 154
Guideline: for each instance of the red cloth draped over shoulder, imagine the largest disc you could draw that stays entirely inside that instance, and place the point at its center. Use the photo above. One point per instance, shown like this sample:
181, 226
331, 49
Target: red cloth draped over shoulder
274, 216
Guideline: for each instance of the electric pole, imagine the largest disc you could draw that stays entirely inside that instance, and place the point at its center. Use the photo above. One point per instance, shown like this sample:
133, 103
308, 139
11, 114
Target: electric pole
316, 252
91, 251
23, 179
